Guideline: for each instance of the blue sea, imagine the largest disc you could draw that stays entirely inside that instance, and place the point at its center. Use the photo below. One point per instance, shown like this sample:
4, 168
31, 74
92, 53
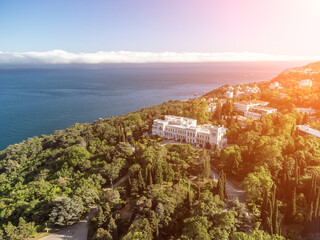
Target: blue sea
38, 100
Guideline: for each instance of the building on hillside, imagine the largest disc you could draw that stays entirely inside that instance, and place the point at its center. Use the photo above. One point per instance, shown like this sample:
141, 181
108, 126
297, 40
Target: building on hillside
212, 107
275, 85
251, 90
228, 94
283, 95
238, 93
239, 88
309, 110
258, 111
223, 101
241, 120
307, 130
310, 71
244, 106
186, 130
305, 83
230, 89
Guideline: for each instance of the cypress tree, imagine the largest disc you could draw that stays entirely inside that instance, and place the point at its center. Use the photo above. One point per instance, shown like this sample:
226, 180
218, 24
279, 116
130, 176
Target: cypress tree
190, 200
221, 191
269, 223
141, 183
112, 228
264, 209
124, 133
217, 113
101, 218
129, 182
222, 186
276, 223
150, 177
119, 133
206, 164
199, 192
298, 177
123, 137
313, 188
154, 221
310, 213
188, 204
146, 174
158, 174
271, 215
317, 206
273, 195
293, 130
275, 212
294, 201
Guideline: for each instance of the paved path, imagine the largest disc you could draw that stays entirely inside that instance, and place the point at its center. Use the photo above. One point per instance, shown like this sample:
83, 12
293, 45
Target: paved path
231, 190
121, 180
78, 231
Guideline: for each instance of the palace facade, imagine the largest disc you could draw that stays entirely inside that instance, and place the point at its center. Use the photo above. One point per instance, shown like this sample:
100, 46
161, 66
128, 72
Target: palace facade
186, 130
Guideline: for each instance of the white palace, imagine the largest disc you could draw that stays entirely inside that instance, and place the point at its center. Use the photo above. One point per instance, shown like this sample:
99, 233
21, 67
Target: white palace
186, 129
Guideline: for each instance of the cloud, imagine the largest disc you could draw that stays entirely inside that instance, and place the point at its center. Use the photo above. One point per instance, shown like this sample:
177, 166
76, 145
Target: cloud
63, 57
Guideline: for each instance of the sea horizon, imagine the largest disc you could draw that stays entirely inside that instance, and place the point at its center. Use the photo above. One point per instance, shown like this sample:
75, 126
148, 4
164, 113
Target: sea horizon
38, 100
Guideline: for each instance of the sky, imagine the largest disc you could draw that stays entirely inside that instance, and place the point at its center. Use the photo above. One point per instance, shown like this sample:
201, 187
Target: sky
64, 31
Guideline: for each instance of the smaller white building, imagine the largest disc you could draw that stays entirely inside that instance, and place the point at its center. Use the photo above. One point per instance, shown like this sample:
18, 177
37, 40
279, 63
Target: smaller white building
309, 110
275, 85
228, 94
244, 106
230, 89
238, 93
257, 112
305, 83
307, 130
212, 107
283, 95
251, 90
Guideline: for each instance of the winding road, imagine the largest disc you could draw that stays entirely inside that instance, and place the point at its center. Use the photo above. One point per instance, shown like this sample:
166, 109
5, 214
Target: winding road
79, 231
231, 190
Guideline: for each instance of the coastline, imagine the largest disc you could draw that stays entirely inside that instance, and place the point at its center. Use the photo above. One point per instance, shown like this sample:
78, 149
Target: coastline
65, 102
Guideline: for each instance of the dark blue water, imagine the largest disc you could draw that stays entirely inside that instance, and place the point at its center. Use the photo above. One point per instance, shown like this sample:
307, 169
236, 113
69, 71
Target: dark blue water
35, 101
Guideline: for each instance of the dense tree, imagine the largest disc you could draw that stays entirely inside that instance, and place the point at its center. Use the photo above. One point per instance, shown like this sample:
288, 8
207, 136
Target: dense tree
65, 211
256, 184
199, 111
140, 229
244, 222
196, 228
103, 234
231, 159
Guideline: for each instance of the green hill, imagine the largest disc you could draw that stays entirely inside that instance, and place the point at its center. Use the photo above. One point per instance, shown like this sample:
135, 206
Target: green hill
169, 193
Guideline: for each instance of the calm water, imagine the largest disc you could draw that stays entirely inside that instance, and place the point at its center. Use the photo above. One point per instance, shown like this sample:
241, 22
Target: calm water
35, 101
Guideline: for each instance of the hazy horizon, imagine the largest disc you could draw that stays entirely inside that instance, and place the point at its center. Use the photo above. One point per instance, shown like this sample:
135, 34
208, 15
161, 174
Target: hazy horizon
63, 57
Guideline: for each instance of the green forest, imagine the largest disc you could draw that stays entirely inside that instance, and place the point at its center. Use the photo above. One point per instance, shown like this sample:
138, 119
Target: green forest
168, 192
